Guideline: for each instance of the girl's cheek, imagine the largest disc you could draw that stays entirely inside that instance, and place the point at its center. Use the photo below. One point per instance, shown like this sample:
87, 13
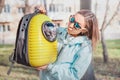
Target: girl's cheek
68, 24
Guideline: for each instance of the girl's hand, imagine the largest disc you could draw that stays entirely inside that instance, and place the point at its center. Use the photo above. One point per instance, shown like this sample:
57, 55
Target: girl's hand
42, 67
42, 9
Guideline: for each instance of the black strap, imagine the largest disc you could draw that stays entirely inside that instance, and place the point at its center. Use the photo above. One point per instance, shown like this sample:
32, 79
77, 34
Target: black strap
62, 45
11, 66
12, 62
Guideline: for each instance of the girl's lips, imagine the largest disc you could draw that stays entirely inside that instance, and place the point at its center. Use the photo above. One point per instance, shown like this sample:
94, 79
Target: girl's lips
70, 28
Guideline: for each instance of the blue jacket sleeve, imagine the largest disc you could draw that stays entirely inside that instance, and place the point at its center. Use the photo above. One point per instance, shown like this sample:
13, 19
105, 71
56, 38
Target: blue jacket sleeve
75, 69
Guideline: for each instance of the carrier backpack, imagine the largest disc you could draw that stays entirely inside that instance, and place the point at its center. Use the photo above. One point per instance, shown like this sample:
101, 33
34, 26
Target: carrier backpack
36, 43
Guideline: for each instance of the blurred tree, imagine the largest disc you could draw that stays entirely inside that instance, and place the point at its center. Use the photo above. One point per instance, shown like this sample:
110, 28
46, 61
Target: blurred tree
104, 25
85, 4
45, 5
1, 5
27, 7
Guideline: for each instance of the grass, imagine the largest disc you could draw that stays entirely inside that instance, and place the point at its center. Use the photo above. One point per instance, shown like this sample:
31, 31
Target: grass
113, 49
19, 72
108, 71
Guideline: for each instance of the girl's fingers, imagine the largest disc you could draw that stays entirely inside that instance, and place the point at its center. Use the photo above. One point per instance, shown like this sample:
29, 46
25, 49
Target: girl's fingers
42, 9
42, 67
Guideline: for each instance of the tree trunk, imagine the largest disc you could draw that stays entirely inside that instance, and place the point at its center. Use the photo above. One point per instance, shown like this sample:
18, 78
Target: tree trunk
27, 7
104, 47
85, 4
1, 5
45, 5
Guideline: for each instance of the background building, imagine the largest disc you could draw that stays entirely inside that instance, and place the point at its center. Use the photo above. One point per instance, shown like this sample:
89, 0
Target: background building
9, 18
58, 10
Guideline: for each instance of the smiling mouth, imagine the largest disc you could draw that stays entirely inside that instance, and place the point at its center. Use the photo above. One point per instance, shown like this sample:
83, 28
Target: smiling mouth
70, 28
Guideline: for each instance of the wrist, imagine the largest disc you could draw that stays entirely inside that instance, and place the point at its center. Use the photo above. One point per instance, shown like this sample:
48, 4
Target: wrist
49, 67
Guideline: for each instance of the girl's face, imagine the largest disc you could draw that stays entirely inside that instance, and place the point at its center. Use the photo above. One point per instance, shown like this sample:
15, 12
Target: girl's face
76, 24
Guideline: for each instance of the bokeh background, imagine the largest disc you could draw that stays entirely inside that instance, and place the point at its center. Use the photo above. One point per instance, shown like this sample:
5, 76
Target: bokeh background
107, 55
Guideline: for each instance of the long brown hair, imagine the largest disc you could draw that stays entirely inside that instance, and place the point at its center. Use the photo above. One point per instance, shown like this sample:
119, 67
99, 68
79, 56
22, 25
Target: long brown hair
91, 26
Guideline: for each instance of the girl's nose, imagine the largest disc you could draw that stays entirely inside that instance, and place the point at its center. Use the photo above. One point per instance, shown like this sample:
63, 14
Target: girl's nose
71, 25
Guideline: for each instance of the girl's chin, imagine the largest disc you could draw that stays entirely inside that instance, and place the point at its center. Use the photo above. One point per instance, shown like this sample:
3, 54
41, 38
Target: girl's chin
70, 29
74, 35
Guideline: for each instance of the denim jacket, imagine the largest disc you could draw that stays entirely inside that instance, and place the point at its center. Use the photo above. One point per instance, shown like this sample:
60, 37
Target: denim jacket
74, 57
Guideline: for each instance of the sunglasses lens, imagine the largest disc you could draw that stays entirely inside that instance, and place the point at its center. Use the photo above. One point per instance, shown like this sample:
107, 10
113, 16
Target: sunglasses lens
77, 25
72, 19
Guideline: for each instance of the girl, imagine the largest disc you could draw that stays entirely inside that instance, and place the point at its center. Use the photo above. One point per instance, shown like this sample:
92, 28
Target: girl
76, 44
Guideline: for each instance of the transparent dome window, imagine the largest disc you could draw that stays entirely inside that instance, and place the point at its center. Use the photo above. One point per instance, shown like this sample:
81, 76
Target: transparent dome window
49, 31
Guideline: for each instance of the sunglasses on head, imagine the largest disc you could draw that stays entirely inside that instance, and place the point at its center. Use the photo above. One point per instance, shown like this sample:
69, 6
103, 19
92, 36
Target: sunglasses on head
76, 24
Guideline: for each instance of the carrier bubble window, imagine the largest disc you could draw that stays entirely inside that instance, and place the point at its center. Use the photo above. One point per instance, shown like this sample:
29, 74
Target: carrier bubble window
49, 31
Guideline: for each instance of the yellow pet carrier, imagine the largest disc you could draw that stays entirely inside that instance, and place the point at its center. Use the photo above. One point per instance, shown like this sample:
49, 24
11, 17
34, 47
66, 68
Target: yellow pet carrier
35, 43
42, 46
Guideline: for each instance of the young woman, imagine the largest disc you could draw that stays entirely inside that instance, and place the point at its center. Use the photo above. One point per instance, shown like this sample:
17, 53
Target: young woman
76, 45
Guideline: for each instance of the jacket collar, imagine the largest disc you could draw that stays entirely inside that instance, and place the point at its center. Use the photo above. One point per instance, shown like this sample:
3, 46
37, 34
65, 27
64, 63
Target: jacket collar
75, 40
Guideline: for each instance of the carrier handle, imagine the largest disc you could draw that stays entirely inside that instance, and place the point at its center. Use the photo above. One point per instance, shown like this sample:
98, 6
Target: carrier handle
38, 11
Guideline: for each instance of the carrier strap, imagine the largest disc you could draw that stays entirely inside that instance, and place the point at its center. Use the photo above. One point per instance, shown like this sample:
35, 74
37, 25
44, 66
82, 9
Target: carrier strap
12, 63
11, 66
